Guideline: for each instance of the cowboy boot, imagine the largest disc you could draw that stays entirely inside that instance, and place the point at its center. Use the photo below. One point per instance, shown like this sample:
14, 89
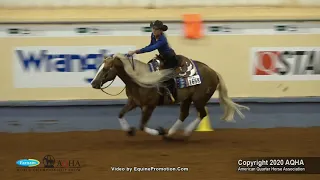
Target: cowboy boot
170, 95
169, 85
159, 91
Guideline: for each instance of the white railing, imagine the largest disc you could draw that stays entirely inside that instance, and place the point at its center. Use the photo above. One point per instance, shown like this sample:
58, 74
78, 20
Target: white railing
153, 3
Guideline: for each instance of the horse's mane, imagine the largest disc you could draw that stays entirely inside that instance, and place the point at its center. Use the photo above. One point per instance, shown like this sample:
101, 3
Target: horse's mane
141, 73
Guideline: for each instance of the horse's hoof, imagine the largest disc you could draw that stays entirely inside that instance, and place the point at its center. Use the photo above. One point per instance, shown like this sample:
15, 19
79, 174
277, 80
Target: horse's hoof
161, 131
167, 138
186, 138
132, 131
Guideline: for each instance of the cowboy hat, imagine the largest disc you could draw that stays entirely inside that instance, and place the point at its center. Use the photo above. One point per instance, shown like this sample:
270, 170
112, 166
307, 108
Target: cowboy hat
159, 25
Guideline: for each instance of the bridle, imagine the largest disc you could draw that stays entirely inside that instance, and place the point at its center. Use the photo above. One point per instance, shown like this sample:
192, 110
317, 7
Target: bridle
102, 88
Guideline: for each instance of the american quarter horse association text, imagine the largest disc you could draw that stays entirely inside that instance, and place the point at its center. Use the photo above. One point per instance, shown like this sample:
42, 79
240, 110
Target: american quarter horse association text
194, 82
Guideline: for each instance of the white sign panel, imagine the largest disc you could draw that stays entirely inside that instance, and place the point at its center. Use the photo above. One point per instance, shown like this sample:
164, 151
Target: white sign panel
285, 64
60, 66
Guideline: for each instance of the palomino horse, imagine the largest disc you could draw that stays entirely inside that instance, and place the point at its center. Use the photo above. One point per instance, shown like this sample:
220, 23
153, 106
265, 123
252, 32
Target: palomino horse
195, 83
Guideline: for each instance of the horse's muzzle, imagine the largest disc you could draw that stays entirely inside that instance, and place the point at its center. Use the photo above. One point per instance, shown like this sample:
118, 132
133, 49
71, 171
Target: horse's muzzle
95, 85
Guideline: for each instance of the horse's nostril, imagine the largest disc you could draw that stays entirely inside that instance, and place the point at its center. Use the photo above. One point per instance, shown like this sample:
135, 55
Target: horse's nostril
94, 85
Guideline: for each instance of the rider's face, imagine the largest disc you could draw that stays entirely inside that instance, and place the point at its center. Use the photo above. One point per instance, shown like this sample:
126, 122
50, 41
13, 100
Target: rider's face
156, 32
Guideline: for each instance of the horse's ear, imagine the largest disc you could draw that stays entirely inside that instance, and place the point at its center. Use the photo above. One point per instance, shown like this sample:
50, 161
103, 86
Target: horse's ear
158, 56
105, 58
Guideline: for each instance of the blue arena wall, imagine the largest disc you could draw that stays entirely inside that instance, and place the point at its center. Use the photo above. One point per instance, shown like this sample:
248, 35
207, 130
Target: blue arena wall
104, 102
91, 115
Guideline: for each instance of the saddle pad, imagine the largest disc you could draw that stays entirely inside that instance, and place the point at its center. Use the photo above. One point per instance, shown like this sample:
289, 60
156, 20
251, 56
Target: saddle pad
191, 79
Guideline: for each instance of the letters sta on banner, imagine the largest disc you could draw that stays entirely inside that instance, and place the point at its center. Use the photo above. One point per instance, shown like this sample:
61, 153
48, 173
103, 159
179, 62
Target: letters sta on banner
61, 66
286, 64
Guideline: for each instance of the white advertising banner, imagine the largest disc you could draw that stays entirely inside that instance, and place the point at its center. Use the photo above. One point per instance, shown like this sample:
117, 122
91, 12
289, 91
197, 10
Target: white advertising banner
60, 66
285, 63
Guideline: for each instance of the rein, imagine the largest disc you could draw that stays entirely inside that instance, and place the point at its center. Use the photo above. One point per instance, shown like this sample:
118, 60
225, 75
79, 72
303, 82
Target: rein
102, 88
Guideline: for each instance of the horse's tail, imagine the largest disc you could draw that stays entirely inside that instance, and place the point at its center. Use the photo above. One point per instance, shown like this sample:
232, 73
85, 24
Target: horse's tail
229, 106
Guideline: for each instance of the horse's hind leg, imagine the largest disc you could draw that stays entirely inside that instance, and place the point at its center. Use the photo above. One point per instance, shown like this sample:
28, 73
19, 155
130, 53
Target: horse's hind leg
123, 122
200, 99
184, 113
192, 126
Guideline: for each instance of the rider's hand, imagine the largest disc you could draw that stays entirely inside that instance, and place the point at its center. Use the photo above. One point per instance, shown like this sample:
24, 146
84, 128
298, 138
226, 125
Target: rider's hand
131, 53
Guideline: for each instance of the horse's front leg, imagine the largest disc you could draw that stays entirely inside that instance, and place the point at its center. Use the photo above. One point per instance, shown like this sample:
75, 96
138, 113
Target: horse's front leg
146, 114
123, 122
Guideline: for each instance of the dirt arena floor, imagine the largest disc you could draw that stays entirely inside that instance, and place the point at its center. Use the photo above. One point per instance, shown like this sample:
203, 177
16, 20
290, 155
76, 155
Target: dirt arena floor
208, 155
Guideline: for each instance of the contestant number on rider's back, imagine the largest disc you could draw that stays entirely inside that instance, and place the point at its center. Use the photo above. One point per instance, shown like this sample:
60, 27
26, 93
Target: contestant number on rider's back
194, 80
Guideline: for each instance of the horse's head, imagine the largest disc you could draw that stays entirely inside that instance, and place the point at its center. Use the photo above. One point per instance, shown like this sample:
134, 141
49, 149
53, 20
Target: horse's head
105, 73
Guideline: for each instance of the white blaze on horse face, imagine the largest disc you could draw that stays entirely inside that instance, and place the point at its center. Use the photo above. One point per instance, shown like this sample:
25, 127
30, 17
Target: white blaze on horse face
100, 69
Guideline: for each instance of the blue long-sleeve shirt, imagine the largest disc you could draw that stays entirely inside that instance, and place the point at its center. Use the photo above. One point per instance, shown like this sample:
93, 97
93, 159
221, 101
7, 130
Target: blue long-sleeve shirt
161, 45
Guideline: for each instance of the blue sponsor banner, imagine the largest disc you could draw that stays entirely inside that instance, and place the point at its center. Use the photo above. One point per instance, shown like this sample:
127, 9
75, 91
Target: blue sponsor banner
71, 66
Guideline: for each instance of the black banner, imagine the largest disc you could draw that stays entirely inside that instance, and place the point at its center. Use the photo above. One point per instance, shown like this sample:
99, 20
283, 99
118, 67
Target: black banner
87, 30
279, 165
219, 29
21, 31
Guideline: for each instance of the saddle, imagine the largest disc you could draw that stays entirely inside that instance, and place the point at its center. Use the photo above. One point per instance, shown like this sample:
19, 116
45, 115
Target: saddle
185, 68
186, 73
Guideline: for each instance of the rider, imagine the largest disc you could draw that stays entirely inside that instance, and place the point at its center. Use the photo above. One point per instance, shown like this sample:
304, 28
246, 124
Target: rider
160, 42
